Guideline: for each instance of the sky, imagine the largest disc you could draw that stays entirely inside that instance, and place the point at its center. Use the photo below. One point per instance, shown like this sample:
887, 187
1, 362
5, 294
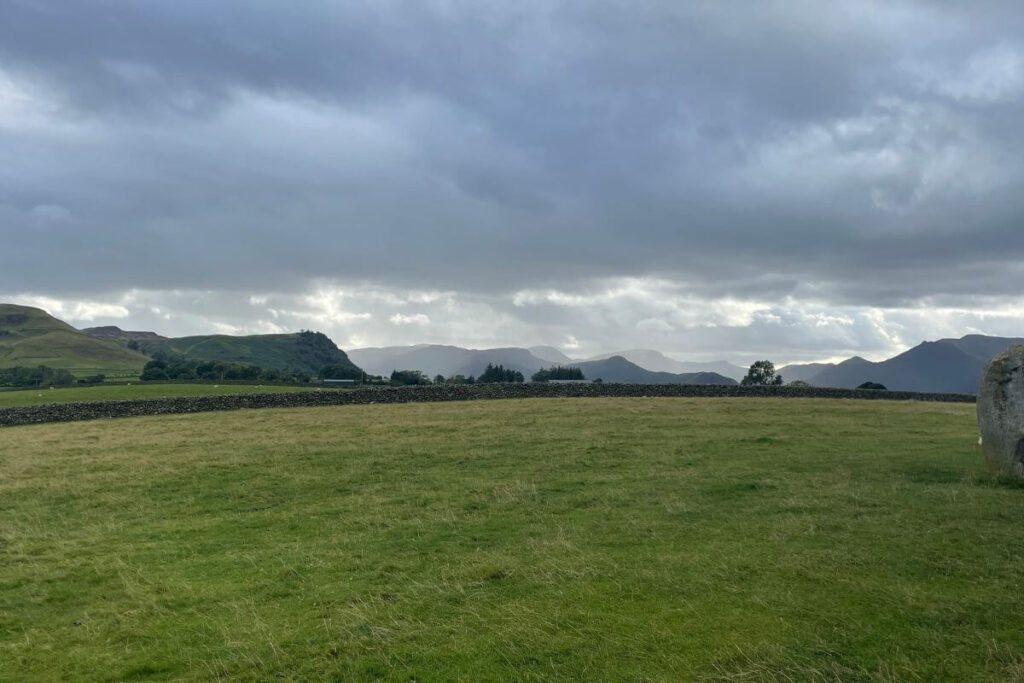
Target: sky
735, 180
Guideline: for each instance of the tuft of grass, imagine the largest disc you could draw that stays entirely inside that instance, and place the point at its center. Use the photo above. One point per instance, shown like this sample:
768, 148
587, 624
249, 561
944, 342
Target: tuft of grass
600, 539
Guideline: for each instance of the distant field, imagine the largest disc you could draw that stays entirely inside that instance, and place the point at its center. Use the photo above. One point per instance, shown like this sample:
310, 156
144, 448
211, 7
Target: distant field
593, 539
105, 392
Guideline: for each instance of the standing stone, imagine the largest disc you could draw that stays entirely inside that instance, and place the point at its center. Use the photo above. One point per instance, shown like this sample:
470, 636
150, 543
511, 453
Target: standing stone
1001, 412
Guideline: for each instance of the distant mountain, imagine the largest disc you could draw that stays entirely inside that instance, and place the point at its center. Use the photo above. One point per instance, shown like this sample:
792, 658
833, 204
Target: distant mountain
619, 369
30, 336
842, 374
803, 372
982, 347
512, 358
656, 361
550, 354
721, 367
453, 360
115, 332
297, 352
943, 366
435, 359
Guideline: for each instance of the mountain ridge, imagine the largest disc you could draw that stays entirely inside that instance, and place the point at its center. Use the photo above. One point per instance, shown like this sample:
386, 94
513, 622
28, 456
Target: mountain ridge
943, 366
656, 361
115, 332
620, 369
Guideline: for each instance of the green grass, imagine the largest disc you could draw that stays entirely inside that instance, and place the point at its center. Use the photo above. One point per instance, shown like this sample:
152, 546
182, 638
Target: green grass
599, 539
115, 392
71, 350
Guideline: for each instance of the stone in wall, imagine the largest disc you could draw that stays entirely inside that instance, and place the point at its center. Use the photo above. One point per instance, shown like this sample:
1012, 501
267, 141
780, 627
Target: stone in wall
1001, 412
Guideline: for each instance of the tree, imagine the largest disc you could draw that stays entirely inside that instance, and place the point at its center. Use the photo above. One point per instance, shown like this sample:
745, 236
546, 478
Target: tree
557, 372
154, 373
762, 373
338, 371
155, 369
498, 373
35, 377
408, 378
439, 379
873, 386
216, 370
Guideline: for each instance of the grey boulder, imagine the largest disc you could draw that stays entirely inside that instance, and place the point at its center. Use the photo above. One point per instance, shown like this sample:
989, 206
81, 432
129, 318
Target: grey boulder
1001, 412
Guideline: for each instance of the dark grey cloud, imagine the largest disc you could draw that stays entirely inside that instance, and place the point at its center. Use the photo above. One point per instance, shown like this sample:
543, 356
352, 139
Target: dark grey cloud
845, 154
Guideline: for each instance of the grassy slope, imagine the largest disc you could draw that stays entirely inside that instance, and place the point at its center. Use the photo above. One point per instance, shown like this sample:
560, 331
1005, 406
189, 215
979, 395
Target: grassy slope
121, 392
29, 336
658, 539
279, 351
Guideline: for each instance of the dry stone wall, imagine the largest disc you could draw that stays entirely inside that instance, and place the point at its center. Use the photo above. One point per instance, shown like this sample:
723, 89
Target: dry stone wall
67, 412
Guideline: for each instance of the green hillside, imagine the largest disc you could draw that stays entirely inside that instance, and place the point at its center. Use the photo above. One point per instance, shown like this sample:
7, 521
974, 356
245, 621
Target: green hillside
30, 336
297, 352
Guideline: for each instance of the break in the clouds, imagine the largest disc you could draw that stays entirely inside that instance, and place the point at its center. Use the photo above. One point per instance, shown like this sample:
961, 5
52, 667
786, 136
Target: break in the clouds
801, 179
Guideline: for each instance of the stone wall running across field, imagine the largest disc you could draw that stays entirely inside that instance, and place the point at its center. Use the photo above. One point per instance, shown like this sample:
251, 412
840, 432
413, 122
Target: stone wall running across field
66, 412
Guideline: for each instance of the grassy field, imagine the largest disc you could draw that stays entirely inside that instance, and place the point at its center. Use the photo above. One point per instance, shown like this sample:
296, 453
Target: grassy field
600, 539
115, 392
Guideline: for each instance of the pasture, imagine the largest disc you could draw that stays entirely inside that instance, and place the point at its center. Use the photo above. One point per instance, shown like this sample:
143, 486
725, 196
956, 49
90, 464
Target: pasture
556, 539
123, 392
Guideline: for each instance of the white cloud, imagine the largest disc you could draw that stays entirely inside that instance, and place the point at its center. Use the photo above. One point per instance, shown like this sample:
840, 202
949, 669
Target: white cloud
992, 74
414, 319
654, 325
50, 214
604, 316
71, 310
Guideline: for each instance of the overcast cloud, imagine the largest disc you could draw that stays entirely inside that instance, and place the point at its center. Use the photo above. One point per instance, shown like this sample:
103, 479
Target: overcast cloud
798, 180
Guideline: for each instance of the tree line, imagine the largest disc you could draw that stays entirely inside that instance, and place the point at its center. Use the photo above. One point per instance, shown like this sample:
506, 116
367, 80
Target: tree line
492, 373
173, 366
43, 376
180, 369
